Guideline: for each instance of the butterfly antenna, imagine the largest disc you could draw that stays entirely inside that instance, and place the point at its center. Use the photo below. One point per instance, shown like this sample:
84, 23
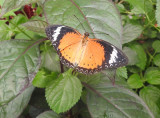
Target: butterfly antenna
80, 22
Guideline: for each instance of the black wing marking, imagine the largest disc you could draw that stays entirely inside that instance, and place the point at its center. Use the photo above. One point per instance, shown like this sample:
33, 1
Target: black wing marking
56, 32
114, 57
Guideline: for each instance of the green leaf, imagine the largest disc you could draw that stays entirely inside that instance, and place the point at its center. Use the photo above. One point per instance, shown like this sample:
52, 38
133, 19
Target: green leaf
151, 95
64, 92
19, 61
158, 12
9, 5
131, 54
152, 76
135, 81
90, 79
44, 78
14, 108
156, 60
156, 45
141, 55
50, 59
141, 6
48, 114
36, 26
6, 32
100, 18
121, 72
106, 100
131, 32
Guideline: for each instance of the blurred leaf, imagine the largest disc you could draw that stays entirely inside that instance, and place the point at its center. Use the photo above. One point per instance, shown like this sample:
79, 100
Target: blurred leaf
156, 45
131, 54
36, 26
8, 5
152, 76
131, 32
48, 114
100, 18
106, 100
44, 78
135, 81
141, 6
158, 12
15, 107
90, 79
122, 72
64, 92
141, 55
6, 32
151, 95
19, 62
50, 59
19, 19
133, 69
156, 60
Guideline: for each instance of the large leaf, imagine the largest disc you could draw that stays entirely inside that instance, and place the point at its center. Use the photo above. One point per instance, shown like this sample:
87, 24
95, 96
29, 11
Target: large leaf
151, 95
48, 114
116, 101
13, 4
64, 92
131, 32
36, 26
50, 59
15, 107
141, 55
19, 61
97, 16
131, 54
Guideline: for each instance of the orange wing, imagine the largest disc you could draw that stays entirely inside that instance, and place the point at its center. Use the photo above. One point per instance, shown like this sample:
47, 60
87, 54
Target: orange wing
92, 58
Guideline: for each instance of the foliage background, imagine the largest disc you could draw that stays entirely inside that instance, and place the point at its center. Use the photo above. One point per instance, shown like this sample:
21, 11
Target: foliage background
25, 52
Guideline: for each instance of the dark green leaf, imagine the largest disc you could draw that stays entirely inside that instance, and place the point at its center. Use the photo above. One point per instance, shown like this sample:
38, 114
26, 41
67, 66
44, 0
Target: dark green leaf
135, 81
64, 92
97, 16
156, 45
50, 59
36, 26
151, 95
44, 78
106, 100
15, 107
19, 61
48, 114
131, 32
152, 76
141, 55
156, 60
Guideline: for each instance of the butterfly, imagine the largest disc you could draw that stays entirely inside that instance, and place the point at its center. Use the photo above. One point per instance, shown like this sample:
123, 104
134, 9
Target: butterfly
82, 53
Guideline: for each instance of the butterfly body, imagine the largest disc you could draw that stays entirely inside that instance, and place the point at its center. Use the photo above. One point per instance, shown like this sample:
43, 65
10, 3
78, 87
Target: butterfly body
82, 53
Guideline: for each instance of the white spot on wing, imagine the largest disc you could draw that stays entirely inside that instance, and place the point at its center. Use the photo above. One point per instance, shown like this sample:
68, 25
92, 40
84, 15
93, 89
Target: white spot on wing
56, 33
113, 56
